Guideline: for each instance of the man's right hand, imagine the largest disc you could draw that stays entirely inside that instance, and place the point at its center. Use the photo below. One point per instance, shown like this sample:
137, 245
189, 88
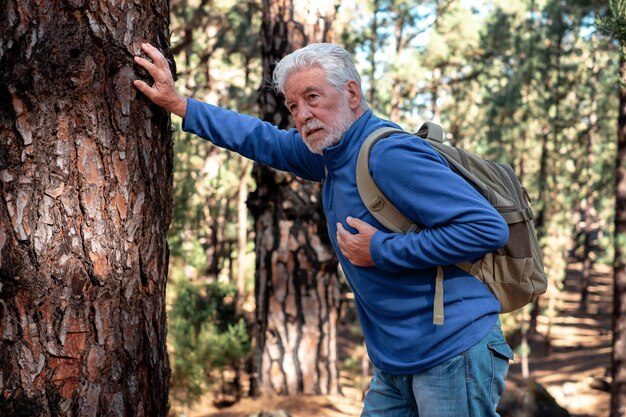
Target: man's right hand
162, 92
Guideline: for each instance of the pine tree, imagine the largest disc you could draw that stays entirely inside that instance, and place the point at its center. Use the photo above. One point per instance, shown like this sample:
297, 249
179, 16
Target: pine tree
615, 25
86, 170
296, 285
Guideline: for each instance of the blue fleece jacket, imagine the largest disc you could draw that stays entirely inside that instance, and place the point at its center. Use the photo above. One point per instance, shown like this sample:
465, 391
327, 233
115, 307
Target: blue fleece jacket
395, 298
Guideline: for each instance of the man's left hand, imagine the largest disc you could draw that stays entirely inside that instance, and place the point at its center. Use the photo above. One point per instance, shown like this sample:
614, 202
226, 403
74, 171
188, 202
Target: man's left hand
162, 92
356, 248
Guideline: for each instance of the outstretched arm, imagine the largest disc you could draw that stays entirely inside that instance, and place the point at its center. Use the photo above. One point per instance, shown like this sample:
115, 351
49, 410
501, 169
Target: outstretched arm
162, 92
249, 136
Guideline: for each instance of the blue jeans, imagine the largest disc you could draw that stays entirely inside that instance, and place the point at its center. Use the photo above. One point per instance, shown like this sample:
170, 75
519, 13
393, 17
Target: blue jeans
468, 385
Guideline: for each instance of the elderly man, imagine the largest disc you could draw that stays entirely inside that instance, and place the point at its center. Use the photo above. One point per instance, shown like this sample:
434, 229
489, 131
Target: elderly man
421, 369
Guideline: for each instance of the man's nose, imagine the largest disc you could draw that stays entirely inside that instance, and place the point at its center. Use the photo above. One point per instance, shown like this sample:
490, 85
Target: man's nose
304, 114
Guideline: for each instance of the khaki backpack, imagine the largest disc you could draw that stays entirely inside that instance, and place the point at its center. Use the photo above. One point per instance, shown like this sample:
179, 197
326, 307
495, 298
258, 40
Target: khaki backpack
514, 273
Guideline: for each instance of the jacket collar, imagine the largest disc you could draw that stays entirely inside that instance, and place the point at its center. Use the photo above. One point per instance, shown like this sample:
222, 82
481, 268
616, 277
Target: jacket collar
339, 154
348, 147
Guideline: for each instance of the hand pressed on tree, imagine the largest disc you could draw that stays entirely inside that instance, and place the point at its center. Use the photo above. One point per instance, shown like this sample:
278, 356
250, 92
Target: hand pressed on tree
356, 247
162, 92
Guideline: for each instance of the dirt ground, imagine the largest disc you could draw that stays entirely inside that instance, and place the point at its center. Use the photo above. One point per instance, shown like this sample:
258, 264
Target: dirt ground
580, 350
579, 355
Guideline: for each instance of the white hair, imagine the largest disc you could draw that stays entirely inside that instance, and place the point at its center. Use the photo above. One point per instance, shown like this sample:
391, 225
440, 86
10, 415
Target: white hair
335, 61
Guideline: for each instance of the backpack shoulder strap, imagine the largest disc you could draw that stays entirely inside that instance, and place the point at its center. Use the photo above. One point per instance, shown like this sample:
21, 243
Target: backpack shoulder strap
373, 198
383, 210
432, 131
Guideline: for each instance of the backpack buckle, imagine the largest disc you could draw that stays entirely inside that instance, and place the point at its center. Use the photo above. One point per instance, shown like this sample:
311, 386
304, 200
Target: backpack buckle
376, 204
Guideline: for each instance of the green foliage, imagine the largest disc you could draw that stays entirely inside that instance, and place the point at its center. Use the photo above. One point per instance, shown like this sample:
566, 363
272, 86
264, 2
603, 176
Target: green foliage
614, 24
206, 337
216, 46
217, 54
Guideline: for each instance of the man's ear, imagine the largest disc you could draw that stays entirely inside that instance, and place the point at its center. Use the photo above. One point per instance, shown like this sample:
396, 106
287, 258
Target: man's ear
355, 95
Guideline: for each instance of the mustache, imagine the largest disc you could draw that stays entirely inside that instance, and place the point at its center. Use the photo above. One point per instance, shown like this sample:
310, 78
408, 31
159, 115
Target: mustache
313, 125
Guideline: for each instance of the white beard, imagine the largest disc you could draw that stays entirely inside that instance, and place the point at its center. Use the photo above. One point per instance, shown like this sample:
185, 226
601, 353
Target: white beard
334, 133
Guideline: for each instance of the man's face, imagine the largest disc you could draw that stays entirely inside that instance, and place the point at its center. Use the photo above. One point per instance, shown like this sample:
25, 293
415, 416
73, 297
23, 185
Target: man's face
321, 113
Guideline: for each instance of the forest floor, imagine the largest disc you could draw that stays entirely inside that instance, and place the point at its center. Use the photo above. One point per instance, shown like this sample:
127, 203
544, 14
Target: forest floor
579, 354
580, 349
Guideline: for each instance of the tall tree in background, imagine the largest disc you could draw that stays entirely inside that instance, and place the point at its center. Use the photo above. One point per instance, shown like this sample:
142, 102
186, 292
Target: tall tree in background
589, 220
615, 25
296, 285
85, 168
373, 47
618, 403
403, 19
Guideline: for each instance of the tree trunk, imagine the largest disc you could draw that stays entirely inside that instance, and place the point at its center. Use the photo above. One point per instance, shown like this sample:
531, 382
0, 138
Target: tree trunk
373, 40
242, 233
547, 219
396, 87
297, 295
540, 223
589, 215
618, 360
590, 224
85, 171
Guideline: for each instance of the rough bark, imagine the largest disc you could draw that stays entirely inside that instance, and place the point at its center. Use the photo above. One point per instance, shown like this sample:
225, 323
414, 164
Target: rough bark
85, 171
296, 284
